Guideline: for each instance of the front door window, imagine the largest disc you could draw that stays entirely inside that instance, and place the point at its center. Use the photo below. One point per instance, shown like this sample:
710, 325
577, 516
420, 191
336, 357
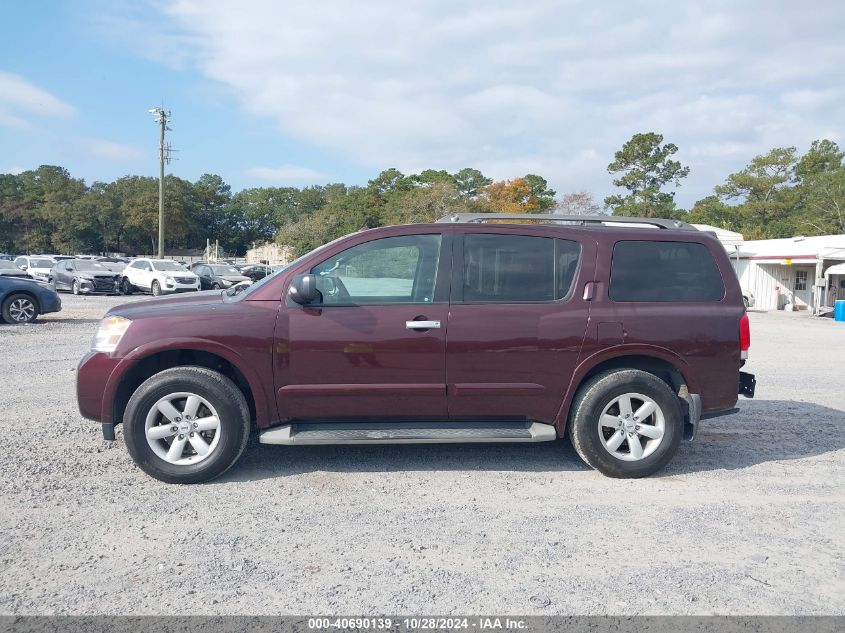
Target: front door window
392, 270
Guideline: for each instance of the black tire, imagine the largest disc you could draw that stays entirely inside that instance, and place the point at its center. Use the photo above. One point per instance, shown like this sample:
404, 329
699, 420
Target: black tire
19, 308
125, 287
745, 302
221, 392
74, 287
215, 286
155, 289
52, 283
590, 402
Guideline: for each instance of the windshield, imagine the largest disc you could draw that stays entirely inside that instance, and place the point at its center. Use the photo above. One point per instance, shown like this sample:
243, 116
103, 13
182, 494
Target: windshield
168, 265
41, 263
225, 270
87, 264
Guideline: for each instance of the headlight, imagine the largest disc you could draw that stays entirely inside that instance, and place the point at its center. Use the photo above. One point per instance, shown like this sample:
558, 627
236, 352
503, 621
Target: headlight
225, 283
109, 333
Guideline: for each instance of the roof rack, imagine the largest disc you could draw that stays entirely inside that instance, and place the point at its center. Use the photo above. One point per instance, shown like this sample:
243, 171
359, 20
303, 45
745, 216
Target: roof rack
574, 219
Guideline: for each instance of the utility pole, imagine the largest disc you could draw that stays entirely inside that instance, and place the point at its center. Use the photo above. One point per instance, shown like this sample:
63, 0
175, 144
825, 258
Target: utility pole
161, 117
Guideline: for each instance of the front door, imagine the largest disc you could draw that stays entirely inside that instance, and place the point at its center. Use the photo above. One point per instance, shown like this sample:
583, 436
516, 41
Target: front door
374, 345
517, 322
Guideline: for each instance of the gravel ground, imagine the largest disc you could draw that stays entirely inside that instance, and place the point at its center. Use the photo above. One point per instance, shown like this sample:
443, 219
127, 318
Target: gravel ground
748, 519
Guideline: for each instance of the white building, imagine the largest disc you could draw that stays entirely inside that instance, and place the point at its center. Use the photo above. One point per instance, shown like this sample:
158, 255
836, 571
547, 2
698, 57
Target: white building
791, 271
269, 254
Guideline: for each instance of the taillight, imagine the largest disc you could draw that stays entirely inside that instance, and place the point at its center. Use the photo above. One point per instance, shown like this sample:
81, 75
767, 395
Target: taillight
744, 336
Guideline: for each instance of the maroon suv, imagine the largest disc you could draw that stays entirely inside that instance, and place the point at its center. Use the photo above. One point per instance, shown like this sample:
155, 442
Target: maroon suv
623, 332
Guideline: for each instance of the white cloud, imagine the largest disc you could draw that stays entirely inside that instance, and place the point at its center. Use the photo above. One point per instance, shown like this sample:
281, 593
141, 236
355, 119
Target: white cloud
506, 88
21, 99
287, 174
111, 150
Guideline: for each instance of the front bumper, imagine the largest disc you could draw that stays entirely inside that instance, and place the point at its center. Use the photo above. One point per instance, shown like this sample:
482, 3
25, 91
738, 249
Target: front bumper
177, 288
94, 385
101, 285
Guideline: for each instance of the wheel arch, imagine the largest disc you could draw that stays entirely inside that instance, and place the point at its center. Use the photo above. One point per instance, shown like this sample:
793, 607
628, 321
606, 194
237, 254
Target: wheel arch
143, 367
667, 366
26, 293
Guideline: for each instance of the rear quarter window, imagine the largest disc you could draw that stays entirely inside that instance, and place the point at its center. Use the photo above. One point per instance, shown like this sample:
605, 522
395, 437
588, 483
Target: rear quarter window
650, 271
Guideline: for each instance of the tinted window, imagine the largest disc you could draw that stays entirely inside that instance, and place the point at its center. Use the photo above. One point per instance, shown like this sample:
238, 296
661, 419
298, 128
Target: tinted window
86, 264
664, 271
390, 270
508, 268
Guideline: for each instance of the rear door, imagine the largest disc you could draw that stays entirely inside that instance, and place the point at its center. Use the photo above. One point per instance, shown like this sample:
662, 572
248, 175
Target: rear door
517, 321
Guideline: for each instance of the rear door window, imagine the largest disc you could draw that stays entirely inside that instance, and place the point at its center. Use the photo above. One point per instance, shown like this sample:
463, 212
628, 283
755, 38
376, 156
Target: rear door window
503, 268
650, 271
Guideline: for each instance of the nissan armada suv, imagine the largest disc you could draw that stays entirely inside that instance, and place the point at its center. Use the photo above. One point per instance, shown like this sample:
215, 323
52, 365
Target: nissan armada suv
622, 332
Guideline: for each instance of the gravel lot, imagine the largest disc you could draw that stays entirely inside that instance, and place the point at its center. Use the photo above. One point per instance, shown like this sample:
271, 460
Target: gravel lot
747, 520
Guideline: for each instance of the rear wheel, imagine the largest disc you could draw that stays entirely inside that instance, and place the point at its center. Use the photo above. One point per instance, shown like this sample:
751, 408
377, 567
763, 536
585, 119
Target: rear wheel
156, 289
19, 308
626, 423
186, 425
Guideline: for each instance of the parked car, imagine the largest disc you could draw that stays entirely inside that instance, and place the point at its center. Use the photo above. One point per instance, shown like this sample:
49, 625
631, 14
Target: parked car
83, 276
218, 276
158, 277
8, 269
36, 266
7, 257
255, 272
624, 337
23, 300
748, 298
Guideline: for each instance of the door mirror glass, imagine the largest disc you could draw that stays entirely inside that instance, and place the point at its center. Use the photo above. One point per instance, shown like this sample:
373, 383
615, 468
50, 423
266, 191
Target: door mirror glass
303, 290
24, 267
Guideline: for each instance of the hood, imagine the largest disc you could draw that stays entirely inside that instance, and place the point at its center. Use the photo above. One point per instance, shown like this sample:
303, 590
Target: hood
168, 305
234, 278
14, 273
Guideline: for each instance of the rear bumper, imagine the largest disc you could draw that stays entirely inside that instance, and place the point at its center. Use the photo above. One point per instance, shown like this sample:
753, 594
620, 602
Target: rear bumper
747, 384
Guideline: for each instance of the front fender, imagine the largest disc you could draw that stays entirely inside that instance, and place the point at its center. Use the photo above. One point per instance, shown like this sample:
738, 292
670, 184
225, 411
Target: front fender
262, 414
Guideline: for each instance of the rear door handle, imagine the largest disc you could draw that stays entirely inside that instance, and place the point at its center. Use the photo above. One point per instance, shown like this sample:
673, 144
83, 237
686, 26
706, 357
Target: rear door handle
422, 325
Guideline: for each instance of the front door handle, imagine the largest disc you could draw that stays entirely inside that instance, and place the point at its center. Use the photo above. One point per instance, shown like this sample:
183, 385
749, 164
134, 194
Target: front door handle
422, 325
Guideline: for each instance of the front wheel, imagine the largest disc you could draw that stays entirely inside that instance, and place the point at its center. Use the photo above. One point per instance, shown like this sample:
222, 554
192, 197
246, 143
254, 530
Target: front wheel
626, 423
156, 289
186, 425
125, 287
75, 287
19, 308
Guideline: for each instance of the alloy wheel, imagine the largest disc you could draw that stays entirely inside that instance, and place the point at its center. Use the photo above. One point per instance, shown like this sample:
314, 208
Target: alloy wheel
22, 310
631, 427
182, 428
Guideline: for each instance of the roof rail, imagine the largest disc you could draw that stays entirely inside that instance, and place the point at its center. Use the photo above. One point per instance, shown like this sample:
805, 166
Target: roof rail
574, 219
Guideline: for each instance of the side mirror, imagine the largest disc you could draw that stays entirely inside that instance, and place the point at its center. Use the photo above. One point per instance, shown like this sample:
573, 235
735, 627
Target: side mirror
303, 289
24, 267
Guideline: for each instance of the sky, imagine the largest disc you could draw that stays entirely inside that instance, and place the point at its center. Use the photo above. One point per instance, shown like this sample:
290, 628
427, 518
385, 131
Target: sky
268, 93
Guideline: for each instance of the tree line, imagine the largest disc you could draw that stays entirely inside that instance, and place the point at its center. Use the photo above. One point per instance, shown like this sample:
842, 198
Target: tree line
46, 210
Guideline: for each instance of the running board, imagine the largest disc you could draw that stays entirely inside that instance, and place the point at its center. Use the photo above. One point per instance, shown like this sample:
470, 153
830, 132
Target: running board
407, 432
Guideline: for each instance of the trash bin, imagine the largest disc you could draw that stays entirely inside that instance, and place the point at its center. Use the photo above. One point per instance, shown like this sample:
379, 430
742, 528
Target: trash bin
839, 311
